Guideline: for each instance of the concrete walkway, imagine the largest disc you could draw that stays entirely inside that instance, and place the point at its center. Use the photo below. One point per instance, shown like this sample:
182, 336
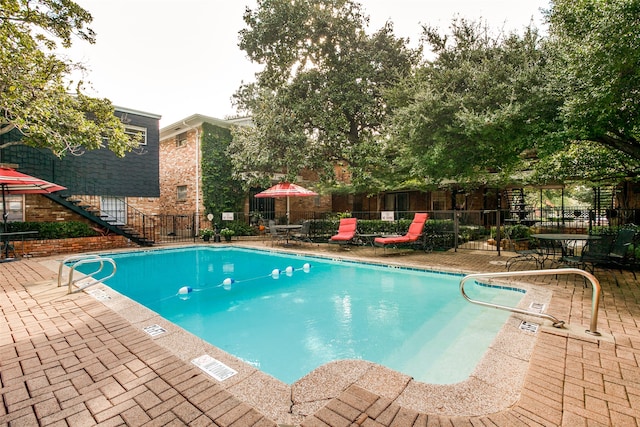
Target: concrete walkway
68, 360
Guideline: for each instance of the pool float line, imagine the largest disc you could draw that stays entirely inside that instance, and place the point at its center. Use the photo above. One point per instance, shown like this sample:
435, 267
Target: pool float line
227, 282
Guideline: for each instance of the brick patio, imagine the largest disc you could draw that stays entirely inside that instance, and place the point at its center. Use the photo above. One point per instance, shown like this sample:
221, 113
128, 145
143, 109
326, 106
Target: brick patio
68, 360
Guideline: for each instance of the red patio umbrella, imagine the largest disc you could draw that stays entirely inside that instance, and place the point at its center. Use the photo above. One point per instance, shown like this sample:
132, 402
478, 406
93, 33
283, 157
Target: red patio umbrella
14, 182
286, 189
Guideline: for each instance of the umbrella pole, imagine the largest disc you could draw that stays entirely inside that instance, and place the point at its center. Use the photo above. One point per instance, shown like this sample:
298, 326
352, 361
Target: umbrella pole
5, 215
4, 211
287, 210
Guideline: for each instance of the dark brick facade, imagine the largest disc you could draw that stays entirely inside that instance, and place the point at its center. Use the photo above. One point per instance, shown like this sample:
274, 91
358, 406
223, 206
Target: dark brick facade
98, 172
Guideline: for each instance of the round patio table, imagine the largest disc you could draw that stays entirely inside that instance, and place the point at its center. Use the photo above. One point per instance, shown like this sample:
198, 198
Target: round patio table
367, 239
287, 229
552, 240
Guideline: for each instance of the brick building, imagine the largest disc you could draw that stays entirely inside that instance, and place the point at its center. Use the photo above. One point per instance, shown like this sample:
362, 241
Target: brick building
181, 182
181, 174
180, 171
116, 188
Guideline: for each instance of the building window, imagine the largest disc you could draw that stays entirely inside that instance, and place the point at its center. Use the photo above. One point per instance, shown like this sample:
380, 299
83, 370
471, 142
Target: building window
439, 201
15, 207
398, 202
181, 139
181, 193
137, 132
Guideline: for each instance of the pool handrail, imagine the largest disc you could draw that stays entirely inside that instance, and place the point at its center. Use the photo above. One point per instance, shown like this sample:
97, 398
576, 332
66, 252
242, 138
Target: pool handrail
77, 260
595, 298
72, 259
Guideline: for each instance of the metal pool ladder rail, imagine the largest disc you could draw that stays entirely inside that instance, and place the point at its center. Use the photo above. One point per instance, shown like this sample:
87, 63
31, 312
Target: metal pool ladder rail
595, 298
77, 260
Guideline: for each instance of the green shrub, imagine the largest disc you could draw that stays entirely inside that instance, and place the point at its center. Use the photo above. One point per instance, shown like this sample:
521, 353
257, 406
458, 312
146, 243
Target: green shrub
240, 228
438, 226
472, 232
518, 231
54, 230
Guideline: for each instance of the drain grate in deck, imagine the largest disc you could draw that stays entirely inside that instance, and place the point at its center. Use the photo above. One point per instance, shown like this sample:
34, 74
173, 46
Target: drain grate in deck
529, 327
537, 306
213, 367
99, 294
154, 330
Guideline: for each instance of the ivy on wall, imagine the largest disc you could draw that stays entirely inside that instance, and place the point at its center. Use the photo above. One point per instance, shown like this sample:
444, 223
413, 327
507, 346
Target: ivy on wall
220, 191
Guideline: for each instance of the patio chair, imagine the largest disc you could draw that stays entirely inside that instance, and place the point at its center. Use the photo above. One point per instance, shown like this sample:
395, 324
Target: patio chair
524, 253
303, 234
413, 237
275, 234
346, 232
613, 253
6, 249
594, 253
619, 253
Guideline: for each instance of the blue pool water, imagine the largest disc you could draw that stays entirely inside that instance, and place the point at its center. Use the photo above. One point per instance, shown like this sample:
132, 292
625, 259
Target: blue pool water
411, 321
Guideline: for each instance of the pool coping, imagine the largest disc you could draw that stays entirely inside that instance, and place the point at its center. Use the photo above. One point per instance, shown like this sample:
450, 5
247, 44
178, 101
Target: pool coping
494, 385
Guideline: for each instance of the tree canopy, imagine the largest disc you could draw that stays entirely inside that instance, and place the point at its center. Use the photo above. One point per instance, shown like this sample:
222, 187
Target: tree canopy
488, 105
35, 98
320, 100
565, 105
596, 47
473, 108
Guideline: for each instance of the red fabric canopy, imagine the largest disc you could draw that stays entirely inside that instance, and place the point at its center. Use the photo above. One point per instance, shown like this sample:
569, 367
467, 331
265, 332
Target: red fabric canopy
14, 182
285, 189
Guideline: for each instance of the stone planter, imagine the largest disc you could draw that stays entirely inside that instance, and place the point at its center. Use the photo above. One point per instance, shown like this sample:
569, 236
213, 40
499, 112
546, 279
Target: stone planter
521, 246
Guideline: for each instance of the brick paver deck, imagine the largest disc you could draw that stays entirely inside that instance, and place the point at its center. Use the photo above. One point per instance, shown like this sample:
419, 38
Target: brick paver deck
67, 360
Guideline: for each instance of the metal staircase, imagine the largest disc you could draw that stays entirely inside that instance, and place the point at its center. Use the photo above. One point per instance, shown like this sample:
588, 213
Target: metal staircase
139, 228
518, 209
603, 199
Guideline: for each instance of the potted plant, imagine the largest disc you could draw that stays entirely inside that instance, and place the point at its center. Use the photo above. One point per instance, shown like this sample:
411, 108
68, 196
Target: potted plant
519, 235
206, 234
227, 233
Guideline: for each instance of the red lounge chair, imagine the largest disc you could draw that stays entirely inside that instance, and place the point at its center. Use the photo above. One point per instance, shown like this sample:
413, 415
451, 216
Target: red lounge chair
412, 236
346, 231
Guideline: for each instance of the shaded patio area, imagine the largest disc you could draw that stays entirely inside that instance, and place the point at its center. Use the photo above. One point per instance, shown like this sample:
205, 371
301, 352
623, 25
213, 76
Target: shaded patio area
72, 360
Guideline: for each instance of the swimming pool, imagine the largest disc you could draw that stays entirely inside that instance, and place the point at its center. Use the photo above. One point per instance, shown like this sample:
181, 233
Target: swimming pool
289, 323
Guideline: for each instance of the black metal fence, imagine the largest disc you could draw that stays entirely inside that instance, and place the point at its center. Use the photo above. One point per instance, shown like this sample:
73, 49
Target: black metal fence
447, 229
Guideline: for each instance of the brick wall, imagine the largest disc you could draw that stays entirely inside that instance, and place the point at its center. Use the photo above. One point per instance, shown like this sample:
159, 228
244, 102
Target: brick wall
42, 248
146, 205
41, 209
178, 168
38, 208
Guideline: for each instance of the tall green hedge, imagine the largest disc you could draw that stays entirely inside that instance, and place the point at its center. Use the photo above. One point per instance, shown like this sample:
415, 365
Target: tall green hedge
221, 191
54, 230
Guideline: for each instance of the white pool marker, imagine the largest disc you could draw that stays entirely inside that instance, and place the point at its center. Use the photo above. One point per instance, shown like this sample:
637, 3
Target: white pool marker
537, 306
154, 330
213, 367
529, 327
99, 294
